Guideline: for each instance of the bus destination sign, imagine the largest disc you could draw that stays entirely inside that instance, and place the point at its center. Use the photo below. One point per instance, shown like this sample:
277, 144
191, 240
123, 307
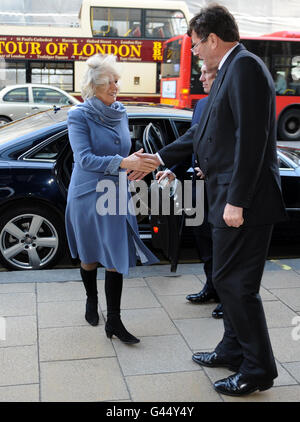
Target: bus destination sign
56, 48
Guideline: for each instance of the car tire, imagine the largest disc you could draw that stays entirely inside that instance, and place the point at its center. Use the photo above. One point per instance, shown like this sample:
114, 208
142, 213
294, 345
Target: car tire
31, 238
4, 120
289, 125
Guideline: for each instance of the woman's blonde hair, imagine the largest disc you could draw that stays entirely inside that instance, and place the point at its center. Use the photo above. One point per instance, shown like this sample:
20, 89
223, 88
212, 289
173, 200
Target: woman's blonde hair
100, 70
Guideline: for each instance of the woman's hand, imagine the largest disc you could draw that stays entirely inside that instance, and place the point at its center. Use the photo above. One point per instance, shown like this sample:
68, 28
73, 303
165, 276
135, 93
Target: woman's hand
143, 163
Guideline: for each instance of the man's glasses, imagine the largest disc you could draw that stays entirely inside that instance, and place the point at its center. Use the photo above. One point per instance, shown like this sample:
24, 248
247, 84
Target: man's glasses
193, 49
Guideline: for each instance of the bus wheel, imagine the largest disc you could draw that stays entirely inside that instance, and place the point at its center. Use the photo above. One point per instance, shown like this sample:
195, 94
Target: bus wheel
289, 125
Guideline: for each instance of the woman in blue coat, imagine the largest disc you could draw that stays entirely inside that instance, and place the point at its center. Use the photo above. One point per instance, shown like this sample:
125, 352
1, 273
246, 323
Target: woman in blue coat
100, 140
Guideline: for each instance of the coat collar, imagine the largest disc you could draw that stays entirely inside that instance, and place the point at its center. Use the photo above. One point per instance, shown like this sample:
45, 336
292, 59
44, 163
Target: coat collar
214, 91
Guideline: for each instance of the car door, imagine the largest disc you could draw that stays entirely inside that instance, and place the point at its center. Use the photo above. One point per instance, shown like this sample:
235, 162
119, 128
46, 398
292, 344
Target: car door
15, 103
166, 220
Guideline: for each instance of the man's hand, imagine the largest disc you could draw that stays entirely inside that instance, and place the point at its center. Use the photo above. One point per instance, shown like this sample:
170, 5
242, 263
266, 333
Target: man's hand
161, 175
233, 216
140, 164
199, 172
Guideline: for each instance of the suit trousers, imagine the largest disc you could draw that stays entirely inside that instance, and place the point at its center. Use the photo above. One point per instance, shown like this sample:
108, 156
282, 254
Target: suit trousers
239, 256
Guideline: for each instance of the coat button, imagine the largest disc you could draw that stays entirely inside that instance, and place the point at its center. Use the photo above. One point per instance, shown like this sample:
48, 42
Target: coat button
210, 140
117, 142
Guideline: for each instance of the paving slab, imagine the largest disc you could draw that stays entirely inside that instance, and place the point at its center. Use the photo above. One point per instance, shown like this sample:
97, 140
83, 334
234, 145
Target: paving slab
20, 393
74, 343
174, 387
285, 348
60, 291
201, 333
17, 304
148, 322
291, 297
182, 284
85, 380
280, 279
179, 308
62, 314
19, 365
294, 369
20, 331
278, 314
158, 354
133, 298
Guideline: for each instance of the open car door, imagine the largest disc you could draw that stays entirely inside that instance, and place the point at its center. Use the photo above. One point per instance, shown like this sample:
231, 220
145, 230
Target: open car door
166, 223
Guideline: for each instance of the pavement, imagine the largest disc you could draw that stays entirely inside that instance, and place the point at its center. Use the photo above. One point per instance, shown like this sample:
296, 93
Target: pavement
49, 353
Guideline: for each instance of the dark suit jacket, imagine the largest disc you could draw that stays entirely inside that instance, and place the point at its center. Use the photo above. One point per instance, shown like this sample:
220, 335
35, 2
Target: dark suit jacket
235, 142
180, 169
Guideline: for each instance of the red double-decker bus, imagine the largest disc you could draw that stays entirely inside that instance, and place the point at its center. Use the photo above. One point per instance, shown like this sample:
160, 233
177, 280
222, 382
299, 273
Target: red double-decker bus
180, 85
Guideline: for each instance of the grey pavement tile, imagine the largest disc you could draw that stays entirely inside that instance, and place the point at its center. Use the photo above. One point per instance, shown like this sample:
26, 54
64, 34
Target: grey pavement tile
284, 377
266, 295
159, 354
278, 314
285, 348
62, 291
74, 343
86, 380
182, 284
290, 297
17, 288
275, 394
20, 393
175, 387
133, 298
40, 276
280, 279
17, 304
62, 314
294, 369
179, 308
19, 365
20, 331
201, 333
148, 322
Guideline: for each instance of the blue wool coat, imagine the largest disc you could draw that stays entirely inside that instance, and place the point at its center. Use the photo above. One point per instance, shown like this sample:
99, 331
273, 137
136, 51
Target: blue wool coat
112, 240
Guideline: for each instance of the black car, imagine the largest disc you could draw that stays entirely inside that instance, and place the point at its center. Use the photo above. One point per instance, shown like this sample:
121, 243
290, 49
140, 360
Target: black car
35, 168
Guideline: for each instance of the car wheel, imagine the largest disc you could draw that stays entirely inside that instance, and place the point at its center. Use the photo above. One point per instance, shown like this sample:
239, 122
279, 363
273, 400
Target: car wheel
289, 125
4, 120
31, 238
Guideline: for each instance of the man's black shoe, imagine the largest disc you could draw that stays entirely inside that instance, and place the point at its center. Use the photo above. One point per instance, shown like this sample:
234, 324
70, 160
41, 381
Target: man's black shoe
240, 385
204, 296
218, 311
212, 360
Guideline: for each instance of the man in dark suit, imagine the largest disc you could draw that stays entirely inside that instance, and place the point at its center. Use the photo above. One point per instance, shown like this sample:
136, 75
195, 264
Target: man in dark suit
235, 145
202, 233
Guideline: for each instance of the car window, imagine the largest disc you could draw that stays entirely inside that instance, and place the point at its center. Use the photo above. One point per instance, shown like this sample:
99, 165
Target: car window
182, 126
49, 96
18, 95
49, 150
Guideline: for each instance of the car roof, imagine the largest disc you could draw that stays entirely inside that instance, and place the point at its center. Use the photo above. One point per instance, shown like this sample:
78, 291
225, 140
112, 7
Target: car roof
48, 120
9, 87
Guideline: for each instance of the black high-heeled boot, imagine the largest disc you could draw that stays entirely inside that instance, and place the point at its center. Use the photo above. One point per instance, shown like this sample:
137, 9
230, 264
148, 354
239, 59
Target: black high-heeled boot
113, 291
89, 279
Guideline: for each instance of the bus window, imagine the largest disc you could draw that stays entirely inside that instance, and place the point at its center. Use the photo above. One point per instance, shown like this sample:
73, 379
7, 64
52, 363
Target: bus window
113, 22
171, 59
165, 23
59, 74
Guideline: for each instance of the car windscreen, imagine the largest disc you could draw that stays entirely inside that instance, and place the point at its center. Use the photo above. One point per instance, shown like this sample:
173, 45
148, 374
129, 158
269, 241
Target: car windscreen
22, 127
